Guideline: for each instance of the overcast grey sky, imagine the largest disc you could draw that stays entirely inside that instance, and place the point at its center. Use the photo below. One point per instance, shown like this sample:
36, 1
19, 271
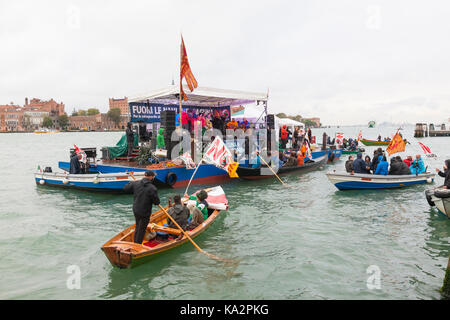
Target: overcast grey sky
347, 62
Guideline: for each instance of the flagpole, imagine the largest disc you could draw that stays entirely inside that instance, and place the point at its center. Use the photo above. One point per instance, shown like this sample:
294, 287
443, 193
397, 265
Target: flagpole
192, 177
179, 122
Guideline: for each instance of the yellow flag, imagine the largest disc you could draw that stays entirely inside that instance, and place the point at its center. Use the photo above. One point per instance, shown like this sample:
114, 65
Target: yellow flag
396, 145
232, 167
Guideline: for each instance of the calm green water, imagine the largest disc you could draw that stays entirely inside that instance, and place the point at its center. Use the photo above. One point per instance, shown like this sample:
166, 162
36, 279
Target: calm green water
308, 241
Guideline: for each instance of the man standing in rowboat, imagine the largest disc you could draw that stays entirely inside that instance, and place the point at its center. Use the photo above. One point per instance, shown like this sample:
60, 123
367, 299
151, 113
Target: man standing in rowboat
145, 195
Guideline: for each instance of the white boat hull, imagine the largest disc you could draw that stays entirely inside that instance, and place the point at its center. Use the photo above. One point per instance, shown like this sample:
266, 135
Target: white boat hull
96, 182
347, 181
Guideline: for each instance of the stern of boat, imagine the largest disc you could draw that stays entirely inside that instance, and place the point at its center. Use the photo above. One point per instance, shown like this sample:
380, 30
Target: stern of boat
118, 256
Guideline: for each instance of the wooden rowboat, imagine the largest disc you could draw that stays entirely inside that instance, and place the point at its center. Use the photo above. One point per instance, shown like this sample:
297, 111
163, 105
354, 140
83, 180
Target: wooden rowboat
122, 252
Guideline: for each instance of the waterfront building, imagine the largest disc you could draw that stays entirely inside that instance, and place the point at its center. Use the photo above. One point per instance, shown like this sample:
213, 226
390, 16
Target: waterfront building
53, 108
11, 118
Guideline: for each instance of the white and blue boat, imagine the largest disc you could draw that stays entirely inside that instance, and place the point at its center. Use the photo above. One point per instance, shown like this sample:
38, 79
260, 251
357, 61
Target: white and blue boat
347, 181
104, 182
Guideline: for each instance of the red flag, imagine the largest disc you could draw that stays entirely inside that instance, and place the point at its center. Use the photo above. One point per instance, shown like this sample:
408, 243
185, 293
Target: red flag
397, 144
185, 71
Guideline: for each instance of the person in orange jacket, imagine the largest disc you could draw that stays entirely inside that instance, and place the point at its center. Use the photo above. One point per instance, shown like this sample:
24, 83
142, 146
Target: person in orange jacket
300, 159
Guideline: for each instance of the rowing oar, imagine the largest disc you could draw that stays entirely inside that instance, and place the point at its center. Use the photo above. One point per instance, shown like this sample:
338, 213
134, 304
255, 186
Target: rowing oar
185, 234
272, 170
190, 239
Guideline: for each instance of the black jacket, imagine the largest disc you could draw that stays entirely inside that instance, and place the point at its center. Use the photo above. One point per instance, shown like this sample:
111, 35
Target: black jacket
399, 168
446, 174
145, 195
130, 135
75, 167
180, 214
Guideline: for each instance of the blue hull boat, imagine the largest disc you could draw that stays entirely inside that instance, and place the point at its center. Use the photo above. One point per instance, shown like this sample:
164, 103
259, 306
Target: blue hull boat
347, 181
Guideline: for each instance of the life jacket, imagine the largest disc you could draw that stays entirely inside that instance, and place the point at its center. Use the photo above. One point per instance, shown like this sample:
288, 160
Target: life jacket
300, 160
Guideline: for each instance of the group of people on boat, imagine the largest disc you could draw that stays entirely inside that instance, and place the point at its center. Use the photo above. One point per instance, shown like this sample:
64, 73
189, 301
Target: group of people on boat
297, 137
385, 139
206, 119
145, 194
348, 144
380, 166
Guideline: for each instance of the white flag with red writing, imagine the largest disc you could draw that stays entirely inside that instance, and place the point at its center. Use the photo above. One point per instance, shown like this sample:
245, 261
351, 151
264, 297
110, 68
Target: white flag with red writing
339, 139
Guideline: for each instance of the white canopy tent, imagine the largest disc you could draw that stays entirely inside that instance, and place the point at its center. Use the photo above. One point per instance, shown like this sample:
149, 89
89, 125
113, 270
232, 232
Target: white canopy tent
251, 113
290, 122
201, 96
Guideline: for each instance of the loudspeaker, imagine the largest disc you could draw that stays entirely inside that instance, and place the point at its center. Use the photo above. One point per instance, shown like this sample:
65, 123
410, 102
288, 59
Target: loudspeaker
270, 121
168, 123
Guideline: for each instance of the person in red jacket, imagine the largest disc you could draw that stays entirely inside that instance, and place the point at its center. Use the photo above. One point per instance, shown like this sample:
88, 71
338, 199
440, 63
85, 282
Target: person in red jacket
283, 137
185, 120
408, 161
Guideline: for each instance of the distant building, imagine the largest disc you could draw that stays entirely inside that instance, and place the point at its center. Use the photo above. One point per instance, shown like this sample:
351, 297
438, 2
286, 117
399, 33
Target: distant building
33, 118
11, 118
53, 108
98, 122
122, 104
85, 122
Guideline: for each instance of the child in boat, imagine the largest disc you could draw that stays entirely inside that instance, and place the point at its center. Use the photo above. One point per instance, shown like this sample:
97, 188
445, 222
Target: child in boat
200, 203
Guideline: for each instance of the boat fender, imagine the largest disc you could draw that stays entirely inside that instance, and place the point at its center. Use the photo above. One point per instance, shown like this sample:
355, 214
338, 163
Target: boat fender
429, 180
171, 178
331, 158
65, 181
42, 181
96, 180
442, 193
428, 194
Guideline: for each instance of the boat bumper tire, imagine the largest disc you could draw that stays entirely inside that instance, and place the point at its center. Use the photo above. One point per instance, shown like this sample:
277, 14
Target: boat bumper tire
171, 179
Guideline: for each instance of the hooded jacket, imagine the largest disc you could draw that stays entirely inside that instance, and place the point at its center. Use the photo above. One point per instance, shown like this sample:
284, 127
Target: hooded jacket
180, 214
417, 166
160, 139
349, 166
359, 165
446, 174
382, 166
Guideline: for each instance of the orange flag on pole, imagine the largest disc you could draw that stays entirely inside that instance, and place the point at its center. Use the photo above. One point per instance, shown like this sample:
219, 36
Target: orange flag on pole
396, 145
185, 72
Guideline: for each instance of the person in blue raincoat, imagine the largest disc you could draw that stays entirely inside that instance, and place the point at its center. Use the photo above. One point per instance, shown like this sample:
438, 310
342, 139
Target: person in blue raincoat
382, 166
417, 166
